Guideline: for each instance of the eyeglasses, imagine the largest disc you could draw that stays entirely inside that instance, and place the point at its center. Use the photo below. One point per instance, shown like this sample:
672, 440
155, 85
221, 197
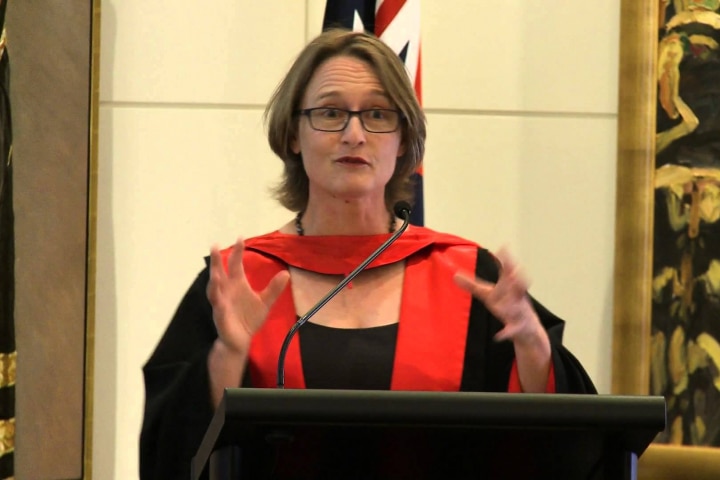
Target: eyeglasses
373, 120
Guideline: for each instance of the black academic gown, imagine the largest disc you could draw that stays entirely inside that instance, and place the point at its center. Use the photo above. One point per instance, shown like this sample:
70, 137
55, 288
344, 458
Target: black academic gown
178, 407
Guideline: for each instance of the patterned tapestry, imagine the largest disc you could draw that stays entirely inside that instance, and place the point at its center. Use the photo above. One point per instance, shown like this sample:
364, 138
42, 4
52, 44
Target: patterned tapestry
686, 248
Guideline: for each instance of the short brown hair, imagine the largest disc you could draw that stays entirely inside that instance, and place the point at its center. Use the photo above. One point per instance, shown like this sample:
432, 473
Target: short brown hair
282, 124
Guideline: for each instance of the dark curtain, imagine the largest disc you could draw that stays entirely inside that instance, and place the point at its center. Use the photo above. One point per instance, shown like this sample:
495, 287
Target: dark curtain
7, 270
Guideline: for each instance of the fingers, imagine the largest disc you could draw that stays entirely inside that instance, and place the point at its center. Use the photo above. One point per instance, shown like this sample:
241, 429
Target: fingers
216, 260
220, 287
511, 282
235, 263
217, 275
230, 293
511, 286
475, 286
506, 299
275, 287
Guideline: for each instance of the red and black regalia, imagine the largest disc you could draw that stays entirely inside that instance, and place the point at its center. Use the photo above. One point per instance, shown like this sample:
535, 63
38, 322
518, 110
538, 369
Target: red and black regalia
442, 342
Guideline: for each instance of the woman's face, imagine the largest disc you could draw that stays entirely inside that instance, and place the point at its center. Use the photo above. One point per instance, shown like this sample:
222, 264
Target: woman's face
352, 163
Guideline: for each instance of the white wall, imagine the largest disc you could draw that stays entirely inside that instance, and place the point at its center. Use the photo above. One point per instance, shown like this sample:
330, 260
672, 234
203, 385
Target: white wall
521, 100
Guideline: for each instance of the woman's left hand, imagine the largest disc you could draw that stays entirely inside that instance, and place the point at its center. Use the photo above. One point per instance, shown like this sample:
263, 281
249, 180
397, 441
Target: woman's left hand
507, 300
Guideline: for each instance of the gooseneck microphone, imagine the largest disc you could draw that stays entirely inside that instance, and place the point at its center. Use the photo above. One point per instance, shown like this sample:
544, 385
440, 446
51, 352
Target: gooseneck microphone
401, 209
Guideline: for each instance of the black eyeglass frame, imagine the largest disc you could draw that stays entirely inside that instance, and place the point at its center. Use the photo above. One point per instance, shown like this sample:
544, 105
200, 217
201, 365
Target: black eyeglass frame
307, 112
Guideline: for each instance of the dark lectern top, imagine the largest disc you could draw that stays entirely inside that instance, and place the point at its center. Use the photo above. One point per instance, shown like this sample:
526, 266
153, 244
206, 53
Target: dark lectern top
583, 430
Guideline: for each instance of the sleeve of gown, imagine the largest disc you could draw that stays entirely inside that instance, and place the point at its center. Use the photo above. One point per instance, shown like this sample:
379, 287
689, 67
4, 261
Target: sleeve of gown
570, 376
489, 364
514, 385
177, 400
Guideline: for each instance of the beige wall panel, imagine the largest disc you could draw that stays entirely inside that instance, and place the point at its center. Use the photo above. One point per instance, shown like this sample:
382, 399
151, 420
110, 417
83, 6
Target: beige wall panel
543, 187
314, 16
471, 176
520, 56
217, 51
568, 223
173, 182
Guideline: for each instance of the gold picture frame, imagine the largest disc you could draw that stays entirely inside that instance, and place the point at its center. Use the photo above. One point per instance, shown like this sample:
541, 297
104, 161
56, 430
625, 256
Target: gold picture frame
639, 27
90, 292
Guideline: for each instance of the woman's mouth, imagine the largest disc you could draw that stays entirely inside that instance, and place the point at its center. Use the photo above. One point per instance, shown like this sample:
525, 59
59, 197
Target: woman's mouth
352, 161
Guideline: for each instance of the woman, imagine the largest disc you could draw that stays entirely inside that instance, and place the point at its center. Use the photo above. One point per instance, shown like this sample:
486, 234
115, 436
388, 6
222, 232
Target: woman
433, 312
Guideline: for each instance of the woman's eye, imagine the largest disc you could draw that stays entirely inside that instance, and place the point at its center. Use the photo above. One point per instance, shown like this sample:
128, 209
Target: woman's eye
330, 113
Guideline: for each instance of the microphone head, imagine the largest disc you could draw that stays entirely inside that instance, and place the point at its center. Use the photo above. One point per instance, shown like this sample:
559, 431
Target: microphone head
402, 209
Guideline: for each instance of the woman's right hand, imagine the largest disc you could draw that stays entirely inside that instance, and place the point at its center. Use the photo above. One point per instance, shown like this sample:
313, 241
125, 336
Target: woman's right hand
238, 310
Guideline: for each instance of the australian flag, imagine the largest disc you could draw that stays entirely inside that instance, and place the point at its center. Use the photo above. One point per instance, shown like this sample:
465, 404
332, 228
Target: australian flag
397, 23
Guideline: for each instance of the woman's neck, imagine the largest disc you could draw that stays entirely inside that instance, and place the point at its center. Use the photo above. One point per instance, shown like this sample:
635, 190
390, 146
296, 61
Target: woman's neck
346, 219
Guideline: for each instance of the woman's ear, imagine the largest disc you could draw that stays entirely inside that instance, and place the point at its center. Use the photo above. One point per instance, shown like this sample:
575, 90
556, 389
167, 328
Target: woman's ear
295, 146
401, 149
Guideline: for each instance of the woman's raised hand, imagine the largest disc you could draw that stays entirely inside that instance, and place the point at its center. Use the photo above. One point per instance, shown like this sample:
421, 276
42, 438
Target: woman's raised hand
238, 310
507, 300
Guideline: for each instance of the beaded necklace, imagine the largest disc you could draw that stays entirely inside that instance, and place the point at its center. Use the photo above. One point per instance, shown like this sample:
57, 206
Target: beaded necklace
301, 231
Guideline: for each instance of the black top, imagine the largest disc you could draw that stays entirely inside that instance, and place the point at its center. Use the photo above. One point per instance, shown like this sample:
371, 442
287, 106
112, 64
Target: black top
362, 358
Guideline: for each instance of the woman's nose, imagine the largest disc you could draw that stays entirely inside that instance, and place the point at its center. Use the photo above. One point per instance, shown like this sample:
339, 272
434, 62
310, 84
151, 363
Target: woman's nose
354, 132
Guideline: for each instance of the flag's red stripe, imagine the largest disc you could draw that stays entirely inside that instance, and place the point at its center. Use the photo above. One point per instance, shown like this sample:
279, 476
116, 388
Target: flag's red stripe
385, 14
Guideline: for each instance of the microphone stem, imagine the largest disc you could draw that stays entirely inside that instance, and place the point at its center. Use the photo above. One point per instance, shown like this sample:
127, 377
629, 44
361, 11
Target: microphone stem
302, 320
